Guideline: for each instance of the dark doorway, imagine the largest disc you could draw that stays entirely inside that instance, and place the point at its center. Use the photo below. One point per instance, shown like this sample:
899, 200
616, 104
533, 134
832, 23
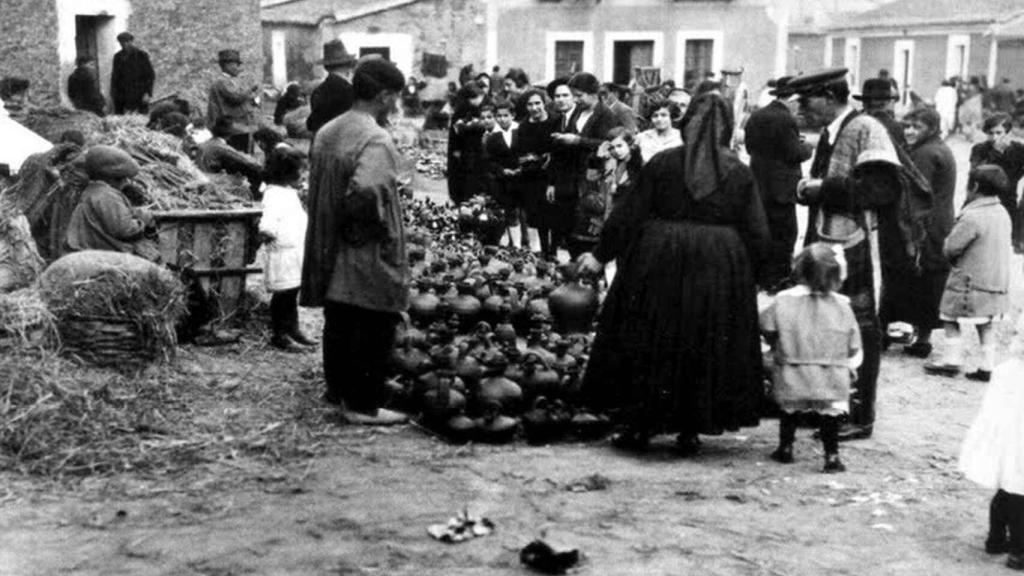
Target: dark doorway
86, 37
383, 51
629, 55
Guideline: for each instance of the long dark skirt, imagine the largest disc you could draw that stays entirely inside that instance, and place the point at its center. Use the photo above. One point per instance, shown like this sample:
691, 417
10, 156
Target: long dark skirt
912, 298
677, 346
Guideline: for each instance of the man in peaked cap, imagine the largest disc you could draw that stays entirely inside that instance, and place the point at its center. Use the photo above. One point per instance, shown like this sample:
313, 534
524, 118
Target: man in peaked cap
334, 96
853, 196
230, 101
776, 153
131, 77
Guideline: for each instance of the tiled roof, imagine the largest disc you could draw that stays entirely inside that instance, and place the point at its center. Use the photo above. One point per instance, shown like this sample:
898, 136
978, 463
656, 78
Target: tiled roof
905, 13
313, 11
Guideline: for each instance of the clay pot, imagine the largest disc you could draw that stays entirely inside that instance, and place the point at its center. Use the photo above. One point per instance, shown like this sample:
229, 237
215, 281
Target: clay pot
423, 305
466, 306
546, 422
587, 426
538, 379
469, 369
459, 429
495, 388
573, 306
409, 360
494, 428
504, 331
442, 401
564, 362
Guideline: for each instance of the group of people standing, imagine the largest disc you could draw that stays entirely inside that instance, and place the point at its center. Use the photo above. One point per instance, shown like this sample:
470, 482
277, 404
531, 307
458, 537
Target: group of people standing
131, 81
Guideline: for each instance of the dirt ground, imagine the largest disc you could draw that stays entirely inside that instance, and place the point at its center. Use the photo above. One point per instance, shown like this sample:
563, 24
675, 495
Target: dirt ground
359, 503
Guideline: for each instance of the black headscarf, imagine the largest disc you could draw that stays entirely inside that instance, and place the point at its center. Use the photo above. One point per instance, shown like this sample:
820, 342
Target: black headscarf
707, 131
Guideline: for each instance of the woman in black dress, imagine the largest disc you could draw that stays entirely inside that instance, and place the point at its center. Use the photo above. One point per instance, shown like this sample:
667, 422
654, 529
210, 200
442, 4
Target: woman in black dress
677, 346
532, 149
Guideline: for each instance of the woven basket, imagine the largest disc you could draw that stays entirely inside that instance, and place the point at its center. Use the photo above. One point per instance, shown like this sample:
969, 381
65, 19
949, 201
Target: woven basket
115, 342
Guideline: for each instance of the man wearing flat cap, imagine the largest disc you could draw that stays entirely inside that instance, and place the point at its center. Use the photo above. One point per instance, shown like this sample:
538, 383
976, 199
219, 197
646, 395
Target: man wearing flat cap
131, 77
776, 153
233, 103
356, 266
855, 198
334, 96
104, 219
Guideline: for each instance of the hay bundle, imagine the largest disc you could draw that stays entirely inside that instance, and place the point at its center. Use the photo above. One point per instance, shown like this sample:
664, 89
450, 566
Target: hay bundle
20, 262
51, 122
25, 320
113, 309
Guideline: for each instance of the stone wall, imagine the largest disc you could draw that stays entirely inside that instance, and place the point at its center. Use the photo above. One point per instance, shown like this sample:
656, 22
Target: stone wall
28, 46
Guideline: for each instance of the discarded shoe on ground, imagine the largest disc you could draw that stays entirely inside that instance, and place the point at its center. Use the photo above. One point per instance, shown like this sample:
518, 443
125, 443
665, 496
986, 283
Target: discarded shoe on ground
540, 556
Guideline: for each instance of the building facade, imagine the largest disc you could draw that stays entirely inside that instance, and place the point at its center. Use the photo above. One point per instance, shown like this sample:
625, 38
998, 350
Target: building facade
41, 39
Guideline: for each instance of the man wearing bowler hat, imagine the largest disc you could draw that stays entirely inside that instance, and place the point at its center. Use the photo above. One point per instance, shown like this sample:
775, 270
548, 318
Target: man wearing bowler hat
334, 96
853, 196
131, 77
776, 153
232, 103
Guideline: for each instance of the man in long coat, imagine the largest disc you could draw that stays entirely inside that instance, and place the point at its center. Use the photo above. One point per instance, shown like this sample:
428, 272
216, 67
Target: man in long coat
131, 77
355, 264
334, 96
776, 154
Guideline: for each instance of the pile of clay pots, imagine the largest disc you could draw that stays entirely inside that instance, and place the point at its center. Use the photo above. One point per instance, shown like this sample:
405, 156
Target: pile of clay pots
496, 339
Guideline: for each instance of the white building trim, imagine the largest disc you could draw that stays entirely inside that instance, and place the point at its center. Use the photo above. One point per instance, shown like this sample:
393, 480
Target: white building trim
492, 34
956, 43
828, 52
279, 58
610, 38
993, 60
550, 38
903, 68
717, 38
852, 59
400, 45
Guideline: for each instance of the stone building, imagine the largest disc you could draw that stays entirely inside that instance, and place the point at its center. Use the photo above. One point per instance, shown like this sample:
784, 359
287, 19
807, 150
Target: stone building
40, 40
547, 38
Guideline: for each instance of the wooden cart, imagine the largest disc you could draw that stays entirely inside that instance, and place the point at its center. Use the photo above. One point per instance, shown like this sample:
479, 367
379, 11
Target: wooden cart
218, 245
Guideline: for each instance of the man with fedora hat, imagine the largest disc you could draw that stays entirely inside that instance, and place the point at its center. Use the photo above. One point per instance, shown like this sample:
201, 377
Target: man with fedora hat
334, 96
131, 77
232, 103
776, 153
879, 100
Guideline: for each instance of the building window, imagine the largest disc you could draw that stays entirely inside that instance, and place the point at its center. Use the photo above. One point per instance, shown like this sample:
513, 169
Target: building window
397, 47
568, 57
624, 52
698, 57
958, 55
851, 60
568, 52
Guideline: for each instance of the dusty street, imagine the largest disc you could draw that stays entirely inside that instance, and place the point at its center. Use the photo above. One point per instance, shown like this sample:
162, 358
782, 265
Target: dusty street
358, 501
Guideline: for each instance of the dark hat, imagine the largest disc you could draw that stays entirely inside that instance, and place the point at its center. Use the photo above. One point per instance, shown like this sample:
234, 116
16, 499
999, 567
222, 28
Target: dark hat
585, 82
335, 54
781, 88
108, 162
876, 89
550, 88
125, 37
818, 82
225, 56
374, 76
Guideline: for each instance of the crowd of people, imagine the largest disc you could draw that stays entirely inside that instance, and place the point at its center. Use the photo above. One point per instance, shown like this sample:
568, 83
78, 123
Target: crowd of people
660, 189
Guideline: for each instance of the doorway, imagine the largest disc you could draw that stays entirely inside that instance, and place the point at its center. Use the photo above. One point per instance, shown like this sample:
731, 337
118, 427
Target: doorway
628, 55
87, 37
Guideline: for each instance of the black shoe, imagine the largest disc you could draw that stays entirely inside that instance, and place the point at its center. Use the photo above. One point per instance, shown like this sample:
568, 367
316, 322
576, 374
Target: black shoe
918, 349
854, 432
285, 343
687, 445
941, 369
979, 375
996, 546
833, 464
1015, 562
783, 454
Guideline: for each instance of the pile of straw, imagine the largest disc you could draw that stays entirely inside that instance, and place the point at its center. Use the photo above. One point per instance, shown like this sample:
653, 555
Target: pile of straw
114, 309
25, 320
20, 262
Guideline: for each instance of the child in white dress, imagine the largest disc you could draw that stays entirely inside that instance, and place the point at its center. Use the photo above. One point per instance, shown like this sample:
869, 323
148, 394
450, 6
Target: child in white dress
816, 346
283, 231
993, 456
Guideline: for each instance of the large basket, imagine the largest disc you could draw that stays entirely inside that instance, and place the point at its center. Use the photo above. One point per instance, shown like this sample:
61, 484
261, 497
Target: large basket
116, 342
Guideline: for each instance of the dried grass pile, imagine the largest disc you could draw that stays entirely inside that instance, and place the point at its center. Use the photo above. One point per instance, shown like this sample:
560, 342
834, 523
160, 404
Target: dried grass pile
25, 320
113, 309
20, 262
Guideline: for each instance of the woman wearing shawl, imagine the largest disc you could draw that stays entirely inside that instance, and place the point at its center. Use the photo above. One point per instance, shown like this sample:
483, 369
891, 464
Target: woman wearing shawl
677, 347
